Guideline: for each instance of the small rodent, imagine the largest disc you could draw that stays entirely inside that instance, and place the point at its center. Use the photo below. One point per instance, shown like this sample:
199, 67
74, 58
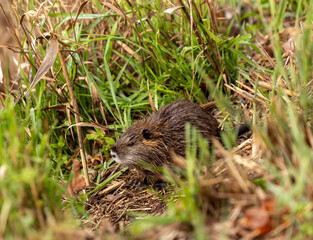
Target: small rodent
153, 140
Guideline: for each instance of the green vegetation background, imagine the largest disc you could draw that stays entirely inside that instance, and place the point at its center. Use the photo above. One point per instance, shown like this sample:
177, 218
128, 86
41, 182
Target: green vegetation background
171, 55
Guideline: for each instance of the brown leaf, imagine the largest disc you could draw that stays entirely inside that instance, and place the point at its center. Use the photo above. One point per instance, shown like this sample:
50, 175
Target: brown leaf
81, 7
260, 219
78, 181
172, 9
256, 217
115, 9
269, 205
46, 64
289, 46
130, 51
85, 124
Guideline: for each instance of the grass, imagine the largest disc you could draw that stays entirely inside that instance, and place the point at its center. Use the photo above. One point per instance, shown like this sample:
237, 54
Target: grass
126, 59
29, 193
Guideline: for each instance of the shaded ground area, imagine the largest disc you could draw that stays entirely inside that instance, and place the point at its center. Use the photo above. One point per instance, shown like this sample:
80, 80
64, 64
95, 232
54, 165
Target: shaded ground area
123, 199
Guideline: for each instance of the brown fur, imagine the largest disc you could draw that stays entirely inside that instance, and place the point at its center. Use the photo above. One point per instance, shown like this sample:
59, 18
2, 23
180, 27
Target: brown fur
152, 140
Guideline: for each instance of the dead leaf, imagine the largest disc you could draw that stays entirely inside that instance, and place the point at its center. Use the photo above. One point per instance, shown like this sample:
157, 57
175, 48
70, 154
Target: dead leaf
46, 64
116, 10
78, 181
130, 51
81, 7
269, 205
256, 218
84, 124
172, 9
289, 46
259, 219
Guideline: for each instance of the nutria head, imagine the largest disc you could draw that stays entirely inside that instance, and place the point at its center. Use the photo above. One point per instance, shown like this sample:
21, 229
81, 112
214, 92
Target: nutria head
142, 143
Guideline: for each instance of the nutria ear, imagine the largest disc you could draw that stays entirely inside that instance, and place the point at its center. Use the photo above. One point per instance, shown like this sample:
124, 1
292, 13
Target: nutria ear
146, 134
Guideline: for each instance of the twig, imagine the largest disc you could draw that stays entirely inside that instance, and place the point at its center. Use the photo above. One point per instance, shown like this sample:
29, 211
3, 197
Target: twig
74, 104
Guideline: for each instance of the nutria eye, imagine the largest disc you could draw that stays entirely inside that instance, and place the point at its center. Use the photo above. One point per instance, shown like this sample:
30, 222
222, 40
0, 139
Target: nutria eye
147, 134
130, 144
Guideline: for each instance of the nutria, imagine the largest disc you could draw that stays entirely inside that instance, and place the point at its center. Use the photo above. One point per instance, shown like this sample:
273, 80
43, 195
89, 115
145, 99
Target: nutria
153, 140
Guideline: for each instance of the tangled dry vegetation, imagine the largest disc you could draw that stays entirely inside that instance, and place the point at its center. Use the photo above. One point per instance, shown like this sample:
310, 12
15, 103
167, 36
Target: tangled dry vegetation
239, 192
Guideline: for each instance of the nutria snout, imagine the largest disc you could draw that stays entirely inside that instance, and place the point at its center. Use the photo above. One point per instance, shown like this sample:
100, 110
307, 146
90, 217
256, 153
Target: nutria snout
152, 141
